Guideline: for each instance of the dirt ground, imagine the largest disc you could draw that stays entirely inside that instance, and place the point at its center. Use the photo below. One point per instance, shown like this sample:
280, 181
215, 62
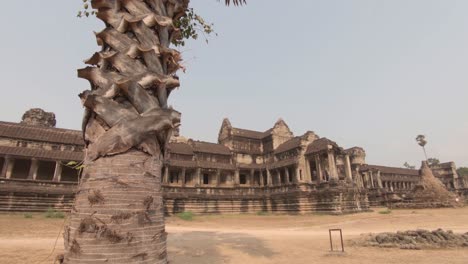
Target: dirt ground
257, 239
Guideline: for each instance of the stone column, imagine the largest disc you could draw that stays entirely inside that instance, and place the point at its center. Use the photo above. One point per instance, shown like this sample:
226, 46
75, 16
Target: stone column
218, 175
308, 172
198, 180
366, 180
6, 164
347, 165
269, 180
252, 177
286, 174
371, 175
58, 171
318, 166
236, 178
298, 173
7, 167
278, 177
262, 180
183, 174
332, 166
166, 174
379, 180
32, 175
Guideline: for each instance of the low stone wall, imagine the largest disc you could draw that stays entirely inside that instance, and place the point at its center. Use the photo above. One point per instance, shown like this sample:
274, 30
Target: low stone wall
35, 196
38, 196
291, 199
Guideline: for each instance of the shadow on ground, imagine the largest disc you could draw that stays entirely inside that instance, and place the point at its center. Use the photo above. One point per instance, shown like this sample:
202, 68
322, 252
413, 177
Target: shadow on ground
204, 247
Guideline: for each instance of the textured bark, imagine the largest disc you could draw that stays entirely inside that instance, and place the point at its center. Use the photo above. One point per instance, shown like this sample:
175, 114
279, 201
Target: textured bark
118, 216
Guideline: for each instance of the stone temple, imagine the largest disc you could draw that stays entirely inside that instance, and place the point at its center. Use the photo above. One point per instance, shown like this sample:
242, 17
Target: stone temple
245, 171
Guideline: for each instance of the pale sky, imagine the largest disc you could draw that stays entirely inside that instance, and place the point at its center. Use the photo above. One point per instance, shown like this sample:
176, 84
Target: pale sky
369, 73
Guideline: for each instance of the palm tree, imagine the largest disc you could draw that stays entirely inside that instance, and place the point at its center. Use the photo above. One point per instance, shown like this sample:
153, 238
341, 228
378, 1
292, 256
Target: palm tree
118, 212
421, 139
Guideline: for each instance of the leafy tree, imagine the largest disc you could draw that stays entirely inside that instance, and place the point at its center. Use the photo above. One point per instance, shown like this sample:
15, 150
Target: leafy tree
408, 166
462, 171
118, 215
421, 139
433, 161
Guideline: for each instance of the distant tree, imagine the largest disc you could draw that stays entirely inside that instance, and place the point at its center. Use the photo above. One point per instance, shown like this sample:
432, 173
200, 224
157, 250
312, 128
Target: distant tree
433, 161
462, 171
408, 166
421, 139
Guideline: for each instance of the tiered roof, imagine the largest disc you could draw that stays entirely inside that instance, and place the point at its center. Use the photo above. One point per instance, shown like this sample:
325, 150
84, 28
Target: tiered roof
391, 170
293, 143
42, 134
319, 145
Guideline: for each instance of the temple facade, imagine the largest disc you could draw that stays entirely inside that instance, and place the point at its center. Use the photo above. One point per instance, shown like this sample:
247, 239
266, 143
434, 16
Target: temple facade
245, 171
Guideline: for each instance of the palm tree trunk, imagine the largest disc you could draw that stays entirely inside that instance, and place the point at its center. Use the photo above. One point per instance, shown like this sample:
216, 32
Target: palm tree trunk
118, 212
425, 154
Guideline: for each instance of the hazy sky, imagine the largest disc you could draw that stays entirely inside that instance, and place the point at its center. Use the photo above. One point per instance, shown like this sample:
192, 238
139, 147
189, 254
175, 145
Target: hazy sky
369, 73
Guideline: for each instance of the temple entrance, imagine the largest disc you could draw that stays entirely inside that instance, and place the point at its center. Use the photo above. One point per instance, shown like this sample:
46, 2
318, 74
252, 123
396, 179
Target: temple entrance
257, 178
313, 171
174, 176
242, 178
206, 178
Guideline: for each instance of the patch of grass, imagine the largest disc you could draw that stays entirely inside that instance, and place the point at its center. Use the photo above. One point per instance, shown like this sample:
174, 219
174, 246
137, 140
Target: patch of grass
187, 216
386, 211
28, 215
52, 213
262, 213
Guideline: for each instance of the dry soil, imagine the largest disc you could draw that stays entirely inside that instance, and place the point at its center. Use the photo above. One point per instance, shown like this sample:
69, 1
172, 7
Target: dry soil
258, 239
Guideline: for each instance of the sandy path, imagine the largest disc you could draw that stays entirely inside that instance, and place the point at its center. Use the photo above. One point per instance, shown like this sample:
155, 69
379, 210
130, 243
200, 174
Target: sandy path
258, 239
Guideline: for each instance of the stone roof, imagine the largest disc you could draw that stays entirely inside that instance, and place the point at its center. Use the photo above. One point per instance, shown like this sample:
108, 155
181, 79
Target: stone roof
180, 148
445, 165
320, 145
42, 154
213, 148
250, 151
391, 170
283, 163
293, 143
43, 134
215, 165
240, 132
182, 163
251, 166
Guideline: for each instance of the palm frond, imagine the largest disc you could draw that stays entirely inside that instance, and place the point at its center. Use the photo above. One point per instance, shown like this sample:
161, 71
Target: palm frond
236, 2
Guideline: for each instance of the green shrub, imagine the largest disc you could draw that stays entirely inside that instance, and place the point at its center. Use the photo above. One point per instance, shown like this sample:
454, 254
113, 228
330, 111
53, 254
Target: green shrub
52, 213
386, 211
262, 213
59, 214
28, 215
187, 216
